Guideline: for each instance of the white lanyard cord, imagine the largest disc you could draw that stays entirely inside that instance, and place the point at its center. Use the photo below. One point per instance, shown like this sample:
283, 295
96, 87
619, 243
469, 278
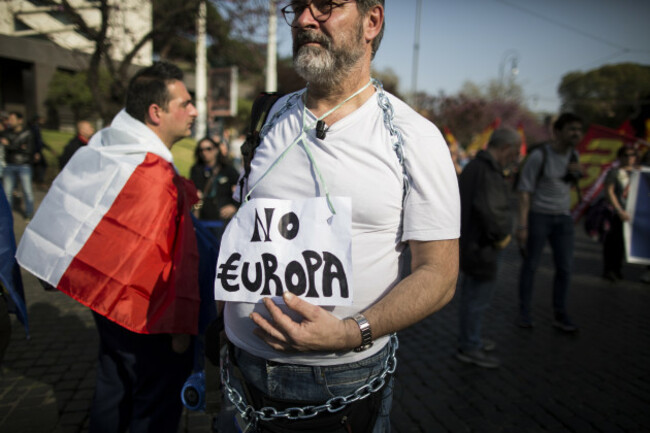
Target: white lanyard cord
303, 135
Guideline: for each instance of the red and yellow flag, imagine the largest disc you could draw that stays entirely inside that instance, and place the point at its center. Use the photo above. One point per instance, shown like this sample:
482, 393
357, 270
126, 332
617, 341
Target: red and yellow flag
523, 149
597, 153
449, 137
480, 141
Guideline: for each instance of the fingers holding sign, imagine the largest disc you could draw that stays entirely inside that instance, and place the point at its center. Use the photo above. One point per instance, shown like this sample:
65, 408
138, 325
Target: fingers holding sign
319, 330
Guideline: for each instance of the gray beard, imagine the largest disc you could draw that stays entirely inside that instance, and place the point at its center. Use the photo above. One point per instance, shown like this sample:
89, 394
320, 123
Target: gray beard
316, 65
322, 65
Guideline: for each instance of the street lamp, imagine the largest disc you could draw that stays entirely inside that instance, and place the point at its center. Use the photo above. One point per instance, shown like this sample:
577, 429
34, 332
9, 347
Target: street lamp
511, 58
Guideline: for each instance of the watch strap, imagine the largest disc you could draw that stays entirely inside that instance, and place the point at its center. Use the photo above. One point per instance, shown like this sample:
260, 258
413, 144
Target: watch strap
366, 332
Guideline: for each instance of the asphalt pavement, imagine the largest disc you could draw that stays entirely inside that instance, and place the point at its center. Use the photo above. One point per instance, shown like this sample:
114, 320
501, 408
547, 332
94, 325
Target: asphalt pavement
597, 380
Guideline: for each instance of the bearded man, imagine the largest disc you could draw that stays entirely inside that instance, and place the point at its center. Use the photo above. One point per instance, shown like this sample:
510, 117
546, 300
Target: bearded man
345, 178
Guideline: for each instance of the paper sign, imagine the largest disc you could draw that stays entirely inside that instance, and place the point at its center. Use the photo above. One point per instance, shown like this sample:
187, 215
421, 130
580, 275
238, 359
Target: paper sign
297, 245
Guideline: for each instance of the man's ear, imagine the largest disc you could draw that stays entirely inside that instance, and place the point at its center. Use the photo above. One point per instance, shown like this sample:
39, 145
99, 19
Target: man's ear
153, 114
374, 21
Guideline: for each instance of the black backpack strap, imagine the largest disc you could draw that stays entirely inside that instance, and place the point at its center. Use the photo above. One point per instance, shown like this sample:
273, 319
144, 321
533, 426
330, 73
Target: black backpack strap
259, 113
543, 166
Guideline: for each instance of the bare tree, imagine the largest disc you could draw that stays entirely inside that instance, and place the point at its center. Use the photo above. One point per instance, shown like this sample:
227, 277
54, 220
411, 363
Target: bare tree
166, 26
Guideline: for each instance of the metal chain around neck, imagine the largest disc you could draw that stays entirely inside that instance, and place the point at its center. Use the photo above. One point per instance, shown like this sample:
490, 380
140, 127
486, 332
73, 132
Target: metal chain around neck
389, 115
395, 132
334, 404
288, 104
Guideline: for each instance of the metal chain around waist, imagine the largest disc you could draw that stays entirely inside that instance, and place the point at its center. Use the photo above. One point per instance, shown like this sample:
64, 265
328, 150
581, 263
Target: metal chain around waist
332, 405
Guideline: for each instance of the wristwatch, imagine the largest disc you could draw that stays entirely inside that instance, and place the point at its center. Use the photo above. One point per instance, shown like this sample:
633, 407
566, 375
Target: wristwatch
366, 333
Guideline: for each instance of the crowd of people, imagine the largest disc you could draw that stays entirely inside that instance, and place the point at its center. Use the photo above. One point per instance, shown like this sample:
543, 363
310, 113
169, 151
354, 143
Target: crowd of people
323, 217
543, 183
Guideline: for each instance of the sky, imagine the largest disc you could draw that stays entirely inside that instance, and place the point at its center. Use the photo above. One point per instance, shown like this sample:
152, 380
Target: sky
477, 40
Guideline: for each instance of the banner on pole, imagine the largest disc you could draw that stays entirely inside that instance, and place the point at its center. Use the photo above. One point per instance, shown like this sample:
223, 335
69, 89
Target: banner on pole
637, 231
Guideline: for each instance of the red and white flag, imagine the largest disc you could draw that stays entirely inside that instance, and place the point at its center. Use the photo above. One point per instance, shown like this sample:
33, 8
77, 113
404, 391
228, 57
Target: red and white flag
114, 232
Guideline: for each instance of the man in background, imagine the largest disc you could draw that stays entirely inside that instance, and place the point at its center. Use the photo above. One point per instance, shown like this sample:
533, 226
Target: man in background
486, 225
18, 144
545, 214
85, 130
115, 233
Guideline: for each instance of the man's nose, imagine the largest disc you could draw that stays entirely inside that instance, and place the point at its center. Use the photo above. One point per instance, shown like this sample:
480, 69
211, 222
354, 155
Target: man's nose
307, 18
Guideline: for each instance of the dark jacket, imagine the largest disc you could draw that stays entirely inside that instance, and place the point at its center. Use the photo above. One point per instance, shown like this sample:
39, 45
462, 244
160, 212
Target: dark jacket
20, 149
486, 217
217, 188
73, 145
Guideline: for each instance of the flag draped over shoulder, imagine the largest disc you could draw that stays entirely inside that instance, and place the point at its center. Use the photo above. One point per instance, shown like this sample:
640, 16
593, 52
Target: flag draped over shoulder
9, 270
114, 232
597, 154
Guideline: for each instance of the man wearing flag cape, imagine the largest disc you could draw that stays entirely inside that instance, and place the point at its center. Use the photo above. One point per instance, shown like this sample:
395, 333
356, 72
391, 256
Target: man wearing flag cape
345, 177
115, 233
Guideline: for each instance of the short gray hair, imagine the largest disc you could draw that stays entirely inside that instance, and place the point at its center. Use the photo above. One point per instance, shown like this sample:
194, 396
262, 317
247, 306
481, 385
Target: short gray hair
364, 6
504, 137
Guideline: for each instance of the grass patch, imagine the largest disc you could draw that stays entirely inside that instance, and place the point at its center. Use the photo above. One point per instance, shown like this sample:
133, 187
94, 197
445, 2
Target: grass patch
183, 152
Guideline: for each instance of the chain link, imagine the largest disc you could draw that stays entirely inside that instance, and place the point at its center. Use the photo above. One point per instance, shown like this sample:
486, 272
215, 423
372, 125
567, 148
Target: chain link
395, 132
288, 104
336, 403
389, 114
332, 405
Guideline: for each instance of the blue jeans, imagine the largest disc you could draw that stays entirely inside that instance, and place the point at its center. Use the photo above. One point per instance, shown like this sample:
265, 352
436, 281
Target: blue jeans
475, 296
308, 383
24, 173
558, 229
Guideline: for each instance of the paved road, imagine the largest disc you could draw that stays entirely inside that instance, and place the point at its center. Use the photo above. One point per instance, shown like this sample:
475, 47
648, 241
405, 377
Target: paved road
595, 381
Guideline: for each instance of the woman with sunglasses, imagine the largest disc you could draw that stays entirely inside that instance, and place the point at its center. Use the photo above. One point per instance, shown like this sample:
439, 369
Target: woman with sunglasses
215, 179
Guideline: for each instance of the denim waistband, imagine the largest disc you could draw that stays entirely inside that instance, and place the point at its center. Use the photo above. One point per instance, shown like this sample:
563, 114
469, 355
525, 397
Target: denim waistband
241, 355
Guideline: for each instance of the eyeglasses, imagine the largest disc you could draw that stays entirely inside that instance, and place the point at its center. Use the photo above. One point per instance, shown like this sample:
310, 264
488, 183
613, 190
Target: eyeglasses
206, 149
321, 10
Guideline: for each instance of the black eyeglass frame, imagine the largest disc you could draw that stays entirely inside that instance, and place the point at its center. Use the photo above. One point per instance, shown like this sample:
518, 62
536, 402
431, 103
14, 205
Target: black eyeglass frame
290, 13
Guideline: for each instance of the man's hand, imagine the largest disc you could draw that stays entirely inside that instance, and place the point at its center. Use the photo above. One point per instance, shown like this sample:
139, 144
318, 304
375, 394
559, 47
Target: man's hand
576, 167
180, 342
522, 239
227, 211
318, 331
499, 245
624, 216
522, 236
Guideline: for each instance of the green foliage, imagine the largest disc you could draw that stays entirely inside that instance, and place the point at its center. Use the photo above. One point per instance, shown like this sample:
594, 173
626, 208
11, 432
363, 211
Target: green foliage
389, 79
176, 42
71, 90
243, 118
608, 95
183, 152
474, 108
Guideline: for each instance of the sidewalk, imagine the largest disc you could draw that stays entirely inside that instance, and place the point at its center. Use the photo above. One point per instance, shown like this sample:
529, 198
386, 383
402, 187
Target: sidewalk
595, 381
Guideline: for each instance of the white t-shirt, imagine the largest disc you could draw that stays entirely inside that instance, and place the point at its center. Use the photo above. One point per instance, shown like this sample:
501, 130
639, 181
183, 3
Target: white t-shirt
357, 160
